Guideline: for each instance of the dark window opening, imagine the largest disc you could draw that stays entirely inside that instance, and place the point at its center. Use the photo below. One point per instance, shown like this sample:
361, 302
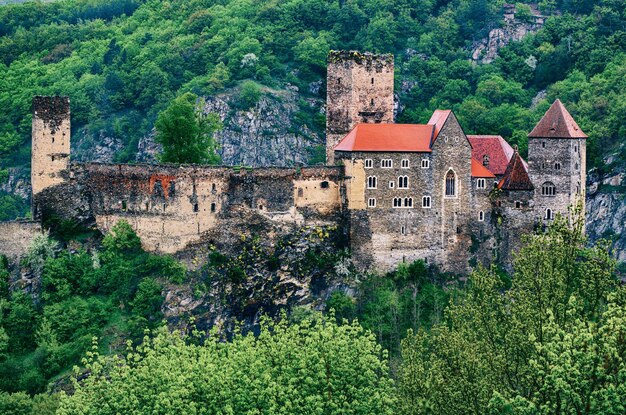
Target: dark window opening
518, 205
260, 207
300, 192
172, 190
458, 229
372, 101
450, 184
338, 81
195, 207
123, 205
147, 206
213, 187
53, 139
212, 207
486, 160
324, 185
543, 144
372, 81
163, 207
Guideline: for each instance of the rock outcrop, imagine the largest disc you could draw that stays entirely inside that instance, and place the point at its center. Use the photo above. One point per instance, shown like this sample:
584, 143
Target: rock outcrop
513, 29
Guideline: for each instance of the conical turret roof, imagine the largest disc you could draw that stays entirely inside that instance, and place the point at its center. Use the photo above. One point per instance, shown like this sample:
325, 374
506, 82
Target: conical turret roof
516, 176
557, 123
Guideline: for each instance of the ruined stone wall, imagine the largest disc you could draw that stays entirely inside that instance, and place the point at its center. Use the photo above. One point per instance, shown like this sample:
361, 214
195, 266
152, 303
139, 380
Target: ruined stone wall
543, 154
16, 236
173, 207
51, 141
359, 90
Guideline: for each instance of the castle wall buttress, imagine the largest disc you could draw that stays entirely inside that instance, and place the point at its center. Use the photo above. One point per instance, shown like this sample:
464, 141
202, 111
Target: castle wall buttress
359, 90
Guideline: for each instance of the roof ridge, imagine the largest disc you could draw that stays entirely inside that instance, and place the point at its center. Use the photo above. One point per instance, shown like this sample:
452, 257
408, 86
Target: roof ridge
516, 176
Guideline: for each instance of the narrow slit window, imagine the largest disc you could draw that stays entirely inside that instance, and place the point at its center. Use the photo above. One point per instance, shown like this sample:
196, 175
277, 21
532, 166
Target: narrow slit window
213, 207
481, 216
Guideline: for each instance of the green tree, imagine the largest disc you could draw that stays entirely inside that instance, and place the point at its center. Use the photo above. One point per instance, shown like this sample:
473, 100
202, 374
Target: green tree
249, 95
499, 348
186, 134
312, 367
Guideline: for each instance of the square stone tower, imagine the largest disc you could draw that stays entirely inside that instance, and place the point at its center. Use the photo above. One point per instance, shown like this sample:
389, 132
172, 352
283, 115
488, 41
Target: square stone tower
557, 162
51, 141
359, 90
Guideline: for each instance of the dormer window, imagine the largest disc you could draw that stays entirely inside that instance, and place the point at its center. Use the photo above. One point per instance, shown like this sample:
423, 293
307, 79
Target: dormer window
486, 160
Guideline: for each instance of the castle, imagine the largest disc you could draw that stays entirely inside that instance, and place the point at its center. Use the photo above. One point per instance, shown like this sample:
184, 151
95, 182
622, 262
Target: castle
398, 192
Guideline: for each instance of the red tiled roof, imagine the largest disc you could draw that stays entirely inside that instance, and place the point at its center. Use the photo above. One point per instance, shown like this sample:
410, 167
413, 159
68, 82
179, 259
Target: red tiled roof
516, 176
478, 170
438, 119
493, 146
387, 137
557, 123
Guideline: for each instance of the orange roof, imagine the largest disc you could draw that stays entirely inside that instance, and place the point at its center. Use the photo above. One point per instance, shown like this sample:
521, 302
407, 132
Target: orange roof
387, 137
493, 146
557, 123
516, 176
438, 119
478, 170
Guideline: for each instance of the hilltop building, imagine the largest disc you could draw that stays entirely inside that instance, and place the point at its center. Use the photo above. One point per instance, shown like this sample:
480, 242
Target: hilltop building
399, 192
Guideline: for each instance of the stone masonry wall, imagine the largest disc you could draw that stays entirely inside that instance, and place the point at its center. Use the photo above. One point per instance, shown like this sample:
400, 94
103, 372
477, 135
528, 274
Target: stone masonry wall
173, 207
360, 90
16, 236
543, 154
51, 141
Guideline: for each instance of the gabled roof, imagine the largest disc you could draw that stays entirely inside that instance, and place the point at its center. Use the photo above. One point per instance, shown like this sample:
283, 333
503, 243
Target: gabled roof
438, 119
557, 123
478, 170
388, 137
493, 146
516, 175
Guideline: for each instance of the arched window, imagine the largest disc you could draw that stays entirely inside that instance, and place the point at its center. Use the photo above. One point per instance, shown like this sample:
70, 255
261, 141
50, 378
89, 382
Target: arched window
403, 182
397, 202
408, 202
450, 184
557, 166
371, 182
426, 201
548, 189
425, 163
486, 160
549, 214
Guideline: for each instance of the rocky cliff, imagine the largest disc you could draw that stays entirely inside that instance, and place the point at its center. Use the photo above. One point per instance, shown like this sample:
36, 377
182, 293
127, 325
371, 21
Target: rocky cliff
277, 131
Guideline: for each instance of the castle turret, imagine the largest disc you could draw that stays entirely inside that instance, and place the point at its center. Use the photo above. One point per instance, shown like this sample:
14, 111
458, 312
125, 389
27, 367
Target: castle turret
359, 90
557, 162
51, 143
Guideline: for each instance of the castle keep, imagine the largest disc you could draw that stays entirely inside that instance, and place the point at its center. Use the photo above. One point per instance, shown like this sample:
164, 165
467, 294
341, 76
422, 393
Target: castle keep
398, 192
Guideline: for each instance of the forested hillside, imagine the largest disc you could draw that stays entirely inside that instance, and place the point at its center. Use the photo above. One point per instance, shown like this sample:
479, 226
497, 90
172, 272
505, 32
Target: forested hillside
123, 61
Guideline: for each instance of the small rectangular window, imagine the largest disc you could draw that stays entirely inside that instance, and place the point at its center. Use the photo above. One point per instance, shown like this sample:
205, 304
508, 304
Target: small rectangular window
324, 185
480, 183
518, 204
405, 164
425, 163
369, 163
481, 216
386, 163
403, 230
391, 184
371, 202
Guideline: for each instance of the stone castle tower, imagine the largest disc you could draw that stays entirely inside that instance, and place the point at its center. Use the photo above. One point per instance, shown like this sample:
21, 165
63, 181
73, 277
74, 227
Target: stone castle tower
557, 162
51, 142
359, 90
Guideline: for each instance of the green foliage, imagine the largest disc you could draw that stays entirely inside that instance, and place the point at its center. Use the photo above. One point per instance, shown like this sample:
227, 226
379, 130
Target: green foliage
186, 134
40, 250
21, 403
12, 206
311, 367
249, 95
541, 346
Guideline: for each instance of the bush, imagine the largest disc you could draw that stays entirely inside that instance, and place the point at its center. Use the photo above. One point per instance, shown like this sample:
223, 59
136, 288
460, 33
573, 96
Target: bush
249, 95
